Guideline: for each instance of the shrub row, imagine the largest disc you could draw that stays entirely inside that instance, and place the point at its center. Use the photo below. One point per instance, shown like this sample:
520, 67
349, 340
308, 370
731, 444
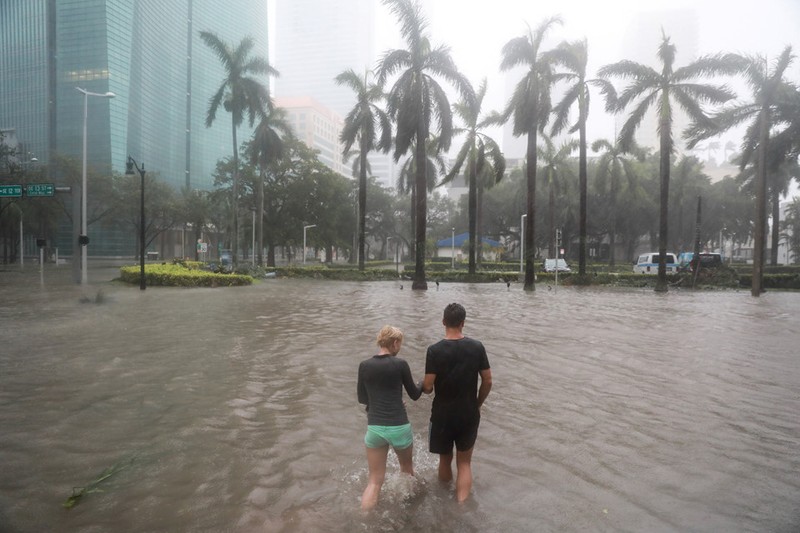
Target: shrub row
177, 275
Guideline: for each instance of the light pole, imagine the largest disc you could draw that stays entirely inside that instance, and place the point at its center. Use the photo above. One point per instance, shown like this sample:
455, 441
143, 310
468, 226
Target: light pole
305, 228
83, 239
522, 241
253, 249
453, 249
129, 166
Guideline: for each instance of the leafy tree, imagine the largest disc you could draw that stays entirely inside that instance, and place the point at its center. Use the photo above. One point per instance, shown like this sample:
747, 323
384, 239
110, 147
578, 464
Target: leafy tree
267, 145
240, 93
556, 169
416, 100
664, 90
369, 126
482, 155
530, 107
163, 210
688, 183
791, 228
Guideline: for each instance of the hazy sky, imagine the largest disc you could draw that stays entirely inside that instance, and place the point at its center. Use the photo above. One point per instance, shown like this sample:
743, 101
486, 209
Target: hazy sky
476, 32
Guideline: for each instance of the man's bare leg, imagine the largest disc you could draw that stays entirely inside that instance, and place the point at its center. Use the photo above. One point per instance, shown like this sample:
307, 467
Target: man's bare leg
376, 459
464, 474
445, 467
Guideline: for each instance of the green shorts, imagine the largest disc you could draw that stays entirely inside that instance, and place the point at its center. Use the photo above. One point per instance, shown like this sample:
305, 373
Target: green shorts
398, 437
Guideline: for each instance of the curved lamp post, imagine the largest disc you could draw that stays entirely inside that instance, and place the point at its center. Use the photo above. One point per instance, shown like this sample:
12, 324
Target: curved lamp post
130, 164
83, 239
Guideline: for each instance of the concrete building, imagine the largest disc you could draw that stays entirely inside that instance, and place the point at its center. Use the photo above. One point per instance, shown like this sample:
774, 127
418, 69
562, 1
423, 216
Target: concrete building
317, 126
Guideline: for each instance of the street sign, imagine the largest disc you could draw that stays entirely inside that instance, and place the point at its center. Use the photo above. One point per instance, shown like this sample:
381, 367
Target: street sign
40, 189
10, 191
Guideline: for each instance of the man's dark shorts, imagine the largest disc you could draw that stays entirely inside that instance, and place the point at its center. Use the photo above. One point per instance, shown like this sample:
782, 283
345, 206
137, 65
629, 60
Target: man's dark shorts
442, 435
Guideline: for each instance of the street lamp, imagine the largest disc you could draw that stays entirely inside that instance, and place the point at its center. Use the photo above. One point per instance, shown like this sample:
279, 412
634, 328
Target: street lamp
522, 241
304, 240
130, 164
83, 240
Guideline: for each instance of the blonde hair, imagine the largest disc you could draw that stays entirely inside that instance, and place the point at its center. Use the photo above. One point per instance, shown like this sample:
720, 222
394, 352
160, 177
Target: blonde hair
387, 335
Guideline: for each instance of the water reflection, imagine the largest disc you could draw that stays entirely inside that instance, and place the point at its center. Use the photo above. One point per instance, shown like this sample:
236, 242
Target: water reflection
612, 410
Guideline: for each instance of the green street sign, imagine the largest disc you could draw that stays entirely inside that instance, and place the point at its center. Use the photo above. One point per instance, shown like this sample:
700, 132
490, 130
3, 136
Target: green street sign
10, 191
40, 189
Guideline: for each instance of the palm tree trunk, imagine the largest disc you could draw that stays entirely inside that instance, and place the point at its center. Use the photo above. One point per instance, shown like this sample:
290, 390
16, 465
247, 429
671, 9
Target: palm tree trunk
551, 219
362, 206
419, 282
582, 185
530, 209
473, 210
666, 149
761, 205
479, 230
235, 193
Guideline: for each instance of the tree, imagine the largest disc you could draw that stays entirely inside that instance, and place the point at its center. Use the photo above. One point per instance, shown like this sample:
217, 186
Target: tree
267, 145
530, 107
769, 92
791, 228
240, 93
665, 90
481, 154
369, 125
163, 212
556, 163
619, 183
574, 56
415, 101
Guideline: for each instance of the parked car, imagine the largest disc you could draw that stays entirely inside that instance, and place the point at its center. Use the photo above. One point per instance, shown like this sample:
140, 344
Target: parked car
686, 260
648, 263
550, 265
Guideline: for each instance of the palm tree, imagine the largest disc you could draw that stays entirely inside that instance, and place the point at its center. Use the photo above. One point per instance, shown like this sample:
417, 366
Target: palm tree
240, 93
267, 146
360, 125
574, 56
619, 182
481, 153
417, 99
530, 106
663, 90
556, 161
770, 93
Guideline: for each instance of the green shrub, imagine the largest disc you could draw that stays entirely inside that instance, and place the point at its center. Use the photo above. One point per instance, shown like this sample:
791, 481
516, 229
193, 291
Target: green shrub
177, 275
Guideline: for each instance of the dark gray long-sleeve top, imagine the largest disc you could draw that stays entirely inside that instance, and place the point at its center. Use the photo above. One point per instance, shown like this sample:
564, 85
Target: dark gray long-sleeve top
381, 379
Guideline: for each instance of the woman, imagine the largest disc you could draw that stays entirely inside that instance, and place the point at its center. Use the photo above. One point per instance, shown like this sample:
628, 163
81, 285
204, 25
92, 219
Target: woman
381, 379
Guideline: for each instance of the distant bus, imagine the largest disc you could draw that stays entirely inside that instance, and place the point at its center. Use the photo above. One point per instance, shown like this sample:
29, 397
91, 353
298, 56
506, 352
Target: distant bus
648, 263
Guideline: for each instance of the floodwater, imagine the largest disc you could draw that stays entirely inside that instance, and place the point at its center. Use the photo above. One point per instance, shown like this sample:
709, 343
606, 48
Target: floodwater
613, 410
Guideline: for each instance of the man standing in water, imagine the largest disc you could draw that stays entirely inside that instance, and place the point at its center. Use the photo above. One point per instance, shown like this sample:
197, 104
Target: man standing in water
452, 367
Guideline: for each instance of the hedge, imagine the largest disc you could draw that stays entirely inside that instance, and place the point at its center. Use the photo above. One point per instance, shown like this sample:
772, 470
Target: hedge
177, 275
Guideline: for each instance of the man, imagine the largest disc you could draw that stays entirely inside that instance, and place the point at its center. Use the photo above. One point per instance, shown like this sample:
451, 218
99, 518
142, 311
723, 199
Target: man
452, 367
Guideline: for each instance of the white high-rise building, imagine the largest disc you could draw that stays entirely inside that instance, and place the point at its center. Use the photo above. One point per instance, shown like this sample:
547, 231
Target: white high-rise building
315, 41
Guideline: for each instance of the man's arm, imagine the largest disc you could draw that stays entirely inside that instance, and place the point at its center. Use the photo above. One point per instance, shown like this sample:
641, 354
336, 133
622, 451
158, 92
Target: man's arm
427, 383
486, 385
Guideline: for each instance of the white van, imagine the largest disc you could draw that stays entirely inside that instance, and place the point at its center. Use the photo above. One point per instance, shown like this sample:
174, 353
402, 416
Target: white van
648, 263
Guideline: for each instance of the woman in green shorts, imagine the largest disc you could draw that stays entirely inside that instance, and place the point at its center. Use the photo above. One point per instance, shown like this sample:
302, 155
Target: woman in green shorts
381, 380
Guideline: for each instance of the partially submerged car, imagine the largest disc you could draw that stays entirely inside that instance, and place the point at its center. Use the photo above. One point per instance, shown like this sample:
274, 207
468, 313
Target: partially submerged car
648, 263
551, 265
686, 261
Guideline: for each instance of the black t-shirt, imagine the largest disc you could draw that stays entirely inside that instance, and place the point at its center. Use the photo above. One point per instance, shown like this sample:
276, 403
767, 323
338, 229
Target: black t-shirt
457, 365
381, 379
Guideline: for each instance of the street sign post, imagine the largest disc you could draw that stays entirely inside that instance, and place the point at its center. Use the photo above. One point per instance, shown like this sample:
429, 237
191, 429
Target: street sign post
10, 191
40, 189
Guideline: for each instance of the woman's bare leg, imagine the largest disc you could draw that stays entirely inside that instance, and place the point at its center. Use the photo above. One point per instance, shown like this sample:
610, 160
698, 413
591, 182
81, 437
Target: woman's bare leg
376, 459
406, 459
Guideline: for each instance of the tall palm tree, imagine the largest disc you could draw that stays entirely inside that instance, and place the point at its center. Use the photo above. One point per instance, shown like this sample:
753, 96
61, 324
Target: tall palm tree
555, 168
770, 93
417, 99
268, 145
574, 56
240, 93
480, 152
619, 182
665, 90
530, 106
360, 125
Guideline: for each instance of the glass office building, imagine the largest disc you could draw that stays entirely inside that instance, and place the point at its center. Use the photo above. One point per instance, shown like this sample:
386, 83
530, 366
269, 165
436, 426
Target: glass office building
150, 55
